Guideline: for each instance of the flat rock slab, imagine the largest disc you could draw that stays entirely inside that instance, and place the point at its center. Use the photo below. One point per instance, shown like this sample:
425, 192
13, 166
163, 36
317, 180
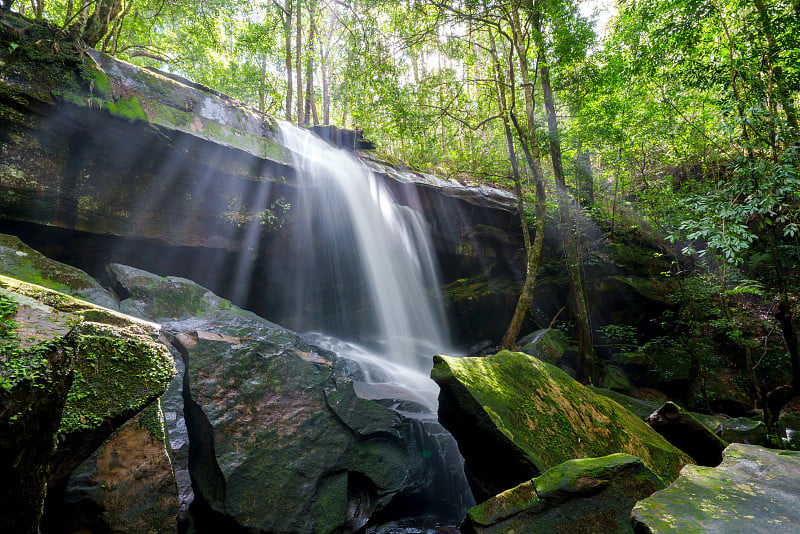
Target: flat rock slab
754, 490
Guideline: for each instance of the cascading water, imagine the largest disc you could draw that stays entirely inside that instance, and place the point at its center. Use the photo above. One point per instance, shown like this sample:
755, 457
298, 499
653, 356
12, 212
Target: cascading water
380, 252
369, 263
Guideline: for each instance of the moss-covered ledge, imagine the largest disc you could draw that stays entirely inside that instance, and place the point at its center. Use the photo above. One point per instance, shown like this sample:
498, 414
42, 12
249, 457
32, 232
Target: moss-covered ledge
70, 374
95, 81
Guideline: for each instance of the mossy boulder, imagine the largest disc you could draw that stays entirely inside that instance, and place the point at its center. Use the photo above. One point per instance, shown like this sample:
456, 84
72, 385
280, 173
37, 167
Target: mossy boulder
753, 490
615, 379
280, 441
163, 298
583, 496
34, 382
19, 261
109, 364
515, 416
547, 344
687, 433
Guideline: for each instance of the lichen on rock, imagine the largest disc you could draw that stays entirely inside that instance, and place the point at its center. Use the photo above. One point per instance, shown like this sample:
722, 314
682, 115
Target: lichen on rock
753, 490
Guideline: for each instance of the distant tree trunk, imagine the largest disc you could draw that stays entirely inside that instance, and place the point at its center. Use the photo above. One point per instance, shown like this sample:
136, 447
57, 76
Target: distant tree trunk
777, 398
502, 105
324, 55
310, 104
588, 364
298, 60
262, 90
286, 18
583, 170
781, 91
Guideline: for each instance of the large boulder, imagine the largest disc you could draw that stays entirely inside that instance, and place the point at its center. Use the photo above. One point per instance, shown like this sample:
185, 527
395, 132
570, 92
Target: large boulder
34, 382
515, 416
687, 433
754, 490
278, 438
583, 496
73, 370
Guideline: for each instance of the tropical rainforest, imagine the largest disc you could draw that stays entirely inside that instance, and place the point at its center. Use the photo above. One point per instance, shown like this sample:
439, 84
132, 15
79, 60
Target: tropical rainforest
665, 130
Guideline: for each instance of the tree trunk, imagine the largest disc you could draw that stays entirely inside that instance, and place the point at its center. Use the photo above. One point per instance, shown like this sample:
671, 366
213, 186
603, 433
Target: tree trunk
583, 169
286, 16
262, 92
531, 149
309, 100
781, 91
92, 28
298, 60
325, 71
588, 364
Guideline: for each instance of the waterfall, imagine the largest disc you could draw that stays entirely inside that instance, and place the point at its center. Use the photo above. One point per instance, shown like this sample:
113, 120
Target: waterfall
377, 256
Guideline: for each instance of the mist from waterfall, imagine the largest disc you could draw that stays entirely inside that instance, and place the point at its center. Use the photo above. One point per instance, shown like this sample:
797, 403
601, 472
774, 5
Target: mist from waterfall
371, 250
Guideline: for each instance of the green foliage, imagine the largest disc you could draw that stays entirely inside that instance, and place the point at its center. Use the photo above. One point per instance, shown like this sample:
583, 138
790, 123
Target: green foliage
8, 339
618, 334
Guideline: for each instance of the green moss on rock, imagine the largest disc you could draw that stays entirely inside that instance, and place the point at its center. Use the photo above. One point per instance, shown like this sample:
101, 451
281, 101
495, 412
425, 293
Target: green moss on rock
753, 490
547, 344
118, 367
61, 374
19, 261
582, 496
547, 414
119, 370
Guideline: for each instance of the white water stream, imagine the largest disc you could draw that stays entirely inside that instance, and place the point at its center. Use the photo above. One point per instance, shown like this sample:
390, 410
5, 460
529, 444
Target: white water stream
388, 248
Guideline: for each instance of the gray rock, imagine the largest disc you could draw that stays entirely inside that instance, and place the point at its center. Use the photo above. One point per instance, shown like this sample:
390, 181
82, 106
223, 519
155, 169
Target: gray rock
547, 344
743, 430
126, 485
753, 491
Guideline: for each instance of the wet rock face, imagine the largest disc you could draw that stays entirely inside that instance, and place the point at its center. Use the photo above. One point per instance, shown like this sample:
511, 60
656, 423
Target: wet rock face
743, 430
584, 496
278, 439
753, 490
529, 416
